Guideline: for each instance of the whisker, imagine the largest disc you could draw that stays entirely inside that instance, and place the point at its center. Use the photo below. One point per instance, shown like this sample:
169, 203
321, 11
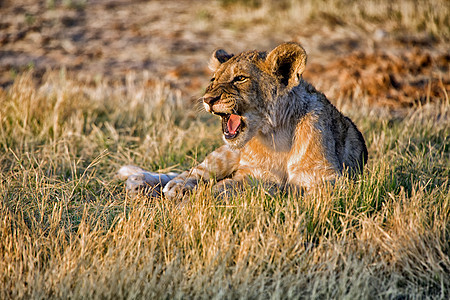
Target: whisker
198, 107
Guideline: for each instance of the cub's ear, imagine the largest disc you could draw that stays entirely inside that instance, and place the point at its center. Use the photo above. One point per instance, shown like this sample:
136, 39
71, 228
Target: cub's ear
287, 61
217, 58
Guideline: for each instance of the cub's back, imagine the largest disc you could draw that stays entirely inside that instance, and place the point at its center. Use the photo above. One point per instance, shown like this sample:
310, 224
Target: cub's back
344, 143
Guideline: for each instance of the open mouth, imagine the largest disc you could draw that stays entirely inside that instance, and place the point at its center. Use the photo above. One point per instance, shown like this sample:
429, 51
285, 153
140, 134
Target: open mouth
231, 125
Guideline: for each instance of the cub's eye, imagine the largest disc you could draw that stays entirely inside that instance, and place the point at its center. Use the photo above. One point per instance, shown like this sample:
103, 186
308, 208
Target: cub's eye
212, 79
239, 79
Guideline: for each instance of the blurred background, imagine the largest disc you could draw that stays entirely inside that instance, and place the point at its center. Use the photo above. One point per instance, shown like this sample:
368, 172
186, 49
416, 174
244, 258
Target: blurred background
393, 53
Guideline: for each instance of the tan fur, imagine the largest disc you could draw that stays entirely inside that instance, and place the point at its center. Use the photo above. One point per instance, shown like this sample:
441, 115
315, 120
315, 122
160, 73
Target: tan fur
289, 134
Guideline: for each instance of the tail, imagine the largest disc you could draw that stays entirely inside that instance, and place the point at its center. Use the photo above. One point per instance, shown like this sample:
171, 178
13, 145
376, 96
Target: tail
144, 182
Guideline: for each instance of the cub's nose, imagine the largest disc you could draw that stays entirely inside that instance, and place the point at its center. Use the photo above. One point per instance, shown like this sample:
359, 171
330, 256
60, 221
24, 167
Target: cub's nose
210, 100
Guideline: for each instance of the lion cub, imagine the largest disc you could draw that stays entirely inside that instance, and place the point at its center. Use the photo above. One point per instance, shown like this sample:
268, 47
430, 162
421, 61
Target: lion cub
276, 126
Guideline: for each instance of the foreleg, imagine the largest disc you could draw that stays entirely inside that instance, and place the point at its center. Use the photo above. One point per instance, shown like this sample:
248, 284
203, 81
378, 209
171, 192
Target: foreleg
142, 181
217, 165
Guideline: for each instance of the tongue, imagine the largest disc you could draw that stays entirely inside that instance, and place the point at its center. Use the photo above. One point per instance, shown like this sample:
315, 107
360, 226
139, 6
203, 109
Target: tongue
233, 123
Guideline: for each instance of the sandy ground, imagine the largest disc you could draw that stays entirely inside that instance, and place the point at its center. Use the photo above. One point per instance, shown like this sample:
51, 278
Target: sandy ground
171, 41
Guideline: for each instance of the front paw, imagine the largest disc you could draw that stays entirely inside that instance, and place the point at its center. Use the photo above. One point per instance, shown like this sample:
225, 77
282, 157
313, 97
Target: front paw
226, 188
143, 184
177, 188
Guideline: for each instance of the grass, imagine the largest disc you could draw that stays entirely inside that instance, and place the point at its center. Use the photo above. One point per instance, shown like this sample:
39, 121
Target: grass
69, 230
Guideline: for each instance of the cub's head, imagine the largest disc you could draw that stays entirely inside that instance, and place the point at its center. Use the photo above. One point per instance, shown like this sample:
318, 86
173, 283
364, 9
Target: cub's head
245, 88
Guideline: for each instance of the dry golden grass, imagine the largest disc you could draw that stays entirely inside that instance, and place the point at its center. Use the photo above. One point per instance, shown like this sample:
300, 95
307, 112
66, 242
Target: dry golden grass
68, 230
